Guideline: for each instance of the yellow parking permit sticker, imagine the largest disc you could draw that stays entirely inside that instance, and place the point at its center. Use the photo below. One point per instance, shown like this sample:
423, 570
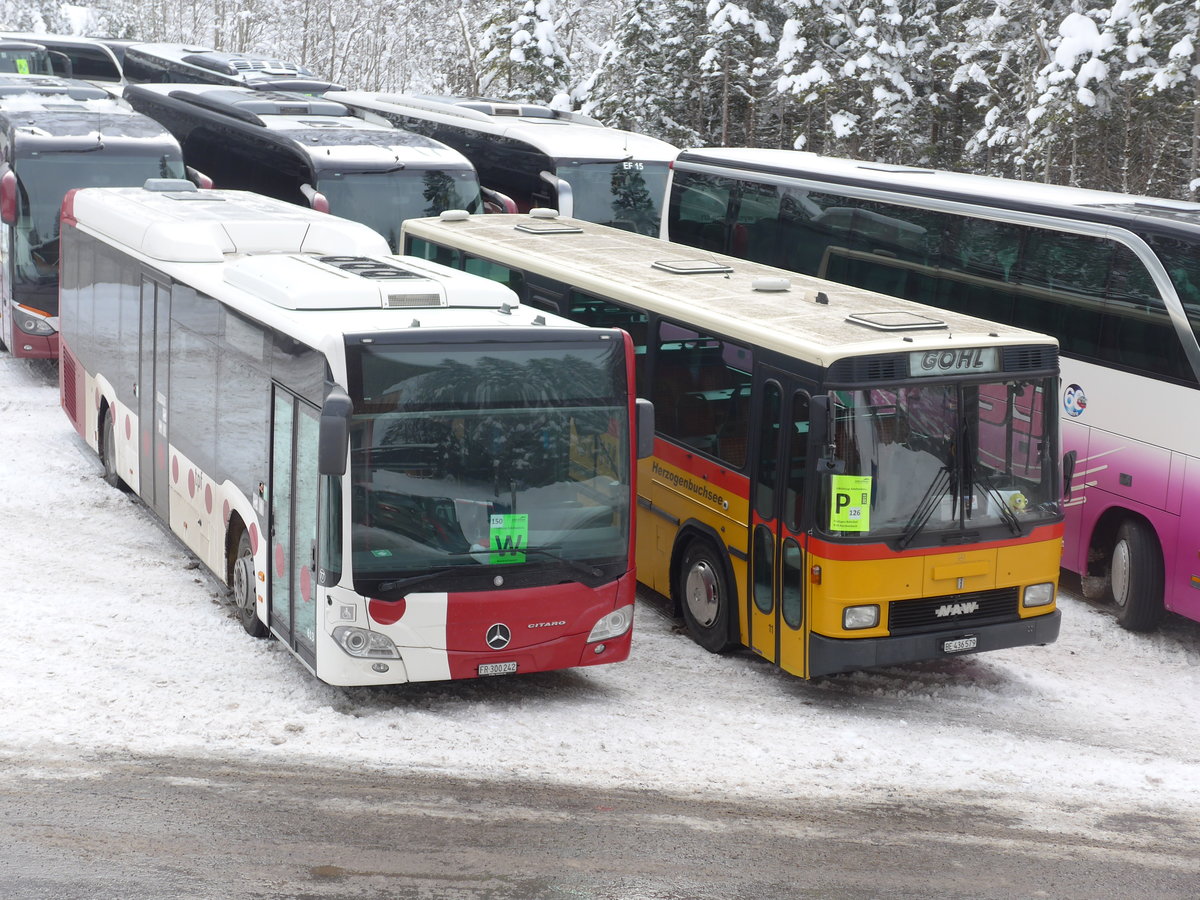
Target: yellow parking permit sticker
851, 507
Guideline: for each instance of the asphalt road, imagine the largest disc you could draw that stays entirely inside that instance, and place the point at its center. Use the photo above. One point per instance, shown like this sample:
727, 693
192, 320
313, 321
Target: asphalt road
167, 828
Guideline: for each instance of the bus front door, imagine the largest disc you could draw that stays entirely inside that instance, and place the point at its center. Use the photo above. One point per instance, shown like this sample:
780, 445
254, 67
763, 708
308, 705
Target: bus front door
152, 393
776, 615
294, 491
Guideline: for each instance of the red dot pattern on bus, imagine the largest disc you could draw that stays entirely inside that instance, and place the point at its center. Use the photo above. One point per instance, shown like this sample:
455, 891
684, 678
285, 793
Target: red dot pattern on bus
387, 612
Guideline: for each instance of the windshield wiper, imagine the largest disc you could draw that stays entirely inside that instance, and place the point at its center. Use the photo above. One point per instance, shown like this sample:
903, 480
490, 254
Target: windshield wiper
1006, 513
929, 502
581, 569
394, 590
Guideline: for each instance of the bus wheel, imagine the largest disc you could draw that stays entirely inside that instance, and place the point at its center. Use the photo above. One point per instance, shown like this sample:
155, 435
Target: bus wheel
244, 595
108, 453
1137, 577
705, 597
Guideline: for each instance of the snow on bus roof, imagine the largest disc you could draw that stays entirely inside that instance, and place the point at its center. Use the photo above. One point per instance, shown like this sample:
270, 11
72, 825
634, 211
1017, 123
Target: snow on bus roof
174, 222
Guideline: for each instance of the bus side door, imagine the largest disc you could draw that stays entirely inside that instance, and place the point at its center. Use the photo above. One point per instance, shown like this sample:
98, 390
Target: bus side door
295, 486
776, 616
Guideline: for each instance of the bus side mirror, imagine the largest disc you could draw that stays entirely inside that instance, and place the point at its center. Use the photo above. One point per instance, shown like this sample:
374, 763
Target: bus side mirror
645, 428
820, 433
198, 178
8, 198
1069, 459
60, 64
315, 198
334, 436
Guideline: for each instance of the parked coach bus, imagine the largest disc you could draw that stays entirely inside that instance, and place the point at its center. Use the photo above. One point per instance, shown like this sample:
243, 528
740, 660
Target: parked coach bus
156, 63
1116, 278
533, 156
57, 134
73, 57
840, 479
402, 474
311, 151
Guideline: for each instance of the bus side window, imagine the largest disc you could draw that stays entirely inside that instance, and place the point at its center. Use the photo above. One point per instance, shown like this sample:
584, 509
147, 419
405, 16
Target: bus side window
702, 385
698, 209
600, 313
510, 278
797, 461
423, 249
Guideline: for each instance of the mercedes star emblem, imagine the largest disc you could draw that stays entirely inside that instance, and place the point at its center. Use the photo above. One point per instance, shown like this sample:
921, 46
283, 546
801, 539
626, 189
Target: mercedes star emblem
498, 636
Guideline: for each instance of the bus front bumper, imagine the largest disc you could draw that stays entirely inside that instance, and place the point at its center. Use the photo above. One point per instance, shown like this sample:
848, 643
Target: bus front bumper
827, 656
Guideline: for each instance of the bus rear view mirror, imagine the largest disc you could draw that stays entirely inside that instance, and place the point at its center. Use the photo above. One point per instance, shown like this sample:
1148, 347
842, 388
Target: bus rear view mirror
1069, 459
315, 198
334, 437
8, 198
198, 178
820, 433
645, 428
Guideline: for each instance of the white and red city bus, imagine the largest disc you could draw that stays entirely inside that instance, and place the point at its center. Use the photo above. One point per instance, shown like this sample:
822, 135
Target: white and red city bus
402, 473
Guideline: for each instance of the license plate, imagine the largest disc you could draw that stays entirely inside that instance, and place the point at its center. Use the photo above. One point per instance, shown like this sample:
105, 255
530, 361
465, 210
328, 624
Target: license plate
958, 645
504, 668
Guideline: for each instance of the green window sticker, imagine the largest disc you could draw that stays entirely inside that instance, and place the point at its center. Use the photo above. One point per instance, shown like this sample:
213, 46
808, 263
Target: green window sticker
22, 66
851, 507
509, 538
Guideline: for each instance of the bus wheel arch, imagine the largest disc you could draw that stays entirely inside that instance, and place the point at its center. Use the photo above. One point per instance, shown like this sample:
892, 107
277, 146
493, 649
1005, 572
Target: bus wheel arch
1126, 553
239, 561
108, 447
704, 590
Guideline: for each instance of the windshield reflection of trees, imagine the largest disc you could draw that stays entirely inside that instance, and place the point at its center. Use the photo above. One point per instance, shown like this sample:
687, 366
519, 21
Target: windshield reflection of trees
465, 442
942, 457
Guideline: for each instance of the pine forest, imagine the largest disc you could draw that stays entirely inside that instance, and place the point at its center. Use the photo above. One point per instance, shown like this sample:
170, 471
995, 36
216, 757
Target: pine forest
1102, 95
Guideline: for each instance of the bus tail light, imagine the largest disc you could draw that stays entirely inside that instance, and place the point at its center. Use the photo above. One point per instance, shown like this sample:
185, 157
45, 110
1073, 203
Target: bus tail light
1038, 595
366, 644
615, 624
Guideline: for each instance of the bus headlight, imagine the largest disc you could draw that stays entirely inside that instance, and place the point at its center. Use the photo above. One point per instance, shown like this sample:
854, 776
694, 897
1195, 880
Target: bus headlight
31, 323
365, 644
615, 624
1038, 595
858, 617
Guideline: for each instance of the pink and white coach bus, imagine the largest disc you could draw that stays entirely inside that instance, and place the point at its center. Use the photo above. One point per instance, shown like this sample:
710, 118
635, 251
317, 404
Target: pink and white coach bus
401, 473
1115, 277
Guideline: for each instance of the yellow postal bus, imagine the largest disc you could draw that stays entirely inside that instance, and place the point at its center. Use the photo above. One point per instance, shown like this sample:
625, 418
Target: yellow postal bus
841, 479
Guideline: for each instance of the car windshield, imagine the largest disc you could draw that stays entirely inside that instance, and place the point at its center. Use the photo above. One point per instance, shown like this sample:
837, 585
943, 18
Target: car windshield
930, 460
489, 458
626, 194
383, 200
43, 182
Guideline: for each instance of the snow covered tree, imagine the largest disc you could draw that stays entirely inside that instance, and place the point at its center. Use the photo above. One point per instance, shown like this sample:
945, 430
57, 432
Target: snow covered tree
520, 58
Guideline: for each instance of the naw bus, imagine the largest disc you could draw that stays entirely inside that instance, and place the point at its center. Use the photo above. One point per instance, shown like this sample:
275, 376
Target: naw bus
1116, 278
311, 151
401, 472
530, 156
57, 134
841, 479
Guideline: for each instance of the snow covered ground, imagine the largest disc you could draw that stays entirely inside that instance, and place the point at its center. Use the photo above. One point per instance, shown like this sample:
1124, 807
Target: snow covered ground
115, 642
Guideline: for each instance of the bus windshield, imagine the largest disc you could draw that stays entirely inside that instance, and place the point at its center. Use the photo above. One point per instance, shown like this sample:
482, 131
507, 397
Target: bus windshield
44, 180
489, 458
931, 459
383, 200
626, 195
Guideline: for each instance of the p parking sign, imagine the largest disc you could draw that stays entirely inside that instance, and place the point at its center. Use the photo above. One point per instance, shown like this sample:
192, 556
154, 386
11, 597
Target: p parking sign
851, 506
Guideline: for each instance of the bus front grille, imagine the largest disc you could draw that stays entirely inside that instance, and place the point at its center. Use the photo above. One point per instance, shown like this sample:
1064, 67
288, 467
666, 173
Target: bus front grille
953, 611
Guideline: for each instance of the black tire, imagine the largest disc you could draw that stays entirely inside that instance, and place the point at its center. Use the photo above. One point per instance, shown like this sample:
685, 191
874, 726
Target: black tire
1136, 577
108, 452
704, 596
241, 584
